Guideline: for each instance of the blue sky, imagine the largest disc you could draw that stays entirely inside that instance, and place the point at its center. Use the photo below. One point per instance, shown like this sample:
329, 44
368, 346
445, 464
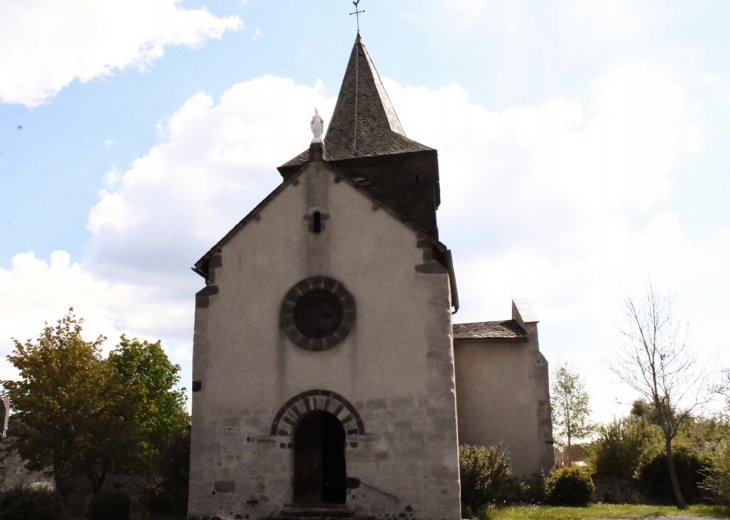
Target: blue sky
582, 145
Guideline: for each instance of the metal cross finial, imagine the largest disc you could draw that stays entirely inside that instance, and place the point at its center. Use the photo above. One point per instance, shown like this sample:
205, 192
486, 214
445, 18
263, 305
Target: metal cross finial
357, 13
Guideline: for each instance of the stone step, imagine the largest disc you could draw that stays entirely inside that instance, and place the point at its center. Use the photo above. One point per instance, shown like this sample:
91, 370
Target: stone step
321, 517
307, 511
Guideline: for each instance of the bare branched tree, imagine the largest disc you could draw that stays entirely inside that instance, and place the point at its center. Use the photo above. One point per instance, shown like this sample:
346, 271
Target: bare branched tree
655, 359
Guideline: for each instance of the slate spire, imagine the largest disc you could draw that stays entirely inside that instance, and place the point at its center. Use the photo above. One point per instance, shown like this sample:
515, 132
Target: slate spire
363, 114
364, 123
365, 141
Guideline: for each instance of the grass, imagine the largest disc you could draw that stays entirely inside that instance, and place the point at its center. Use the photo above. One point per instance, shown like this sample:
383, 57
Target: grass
570, 513
601, 511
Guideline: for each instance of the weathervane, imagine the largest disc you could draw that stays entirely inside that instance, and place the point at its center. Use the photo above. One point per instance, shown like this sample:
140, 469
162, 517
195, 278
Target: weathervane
357, 13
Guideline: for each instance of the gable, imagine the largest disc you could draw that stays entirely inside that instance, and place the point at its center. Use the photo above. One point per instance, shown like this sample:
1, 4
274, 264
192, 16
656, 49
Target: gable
438, 251
262, 269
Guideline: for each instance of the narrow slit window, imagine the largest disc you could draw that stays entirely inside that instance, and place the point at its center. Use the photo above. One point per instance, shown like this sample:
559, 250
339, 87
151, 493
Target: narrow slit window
317, 222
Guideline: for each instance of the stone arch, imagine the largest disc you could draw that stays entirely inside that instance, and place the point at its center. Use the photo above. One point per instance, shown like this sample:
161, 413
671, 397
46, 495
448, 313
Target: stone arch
300, 405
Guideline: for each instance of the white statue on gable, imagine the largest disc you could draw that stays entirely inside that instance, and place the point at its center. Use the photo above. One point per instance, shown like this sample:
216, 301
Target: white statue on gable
317, 125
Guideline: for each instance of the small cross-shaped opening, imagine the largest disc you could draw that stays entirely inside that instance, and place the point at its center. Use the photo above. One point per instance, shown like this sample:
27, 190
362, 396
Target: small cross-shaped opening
316, 222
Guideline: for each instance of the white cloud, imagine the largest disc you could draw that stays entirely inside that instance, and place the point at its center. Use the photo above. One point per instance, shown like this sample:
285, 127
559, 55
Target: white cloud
546, 203
257, 34
34, 291
582, 27
563, 161
46, 44
214, 164
542, 202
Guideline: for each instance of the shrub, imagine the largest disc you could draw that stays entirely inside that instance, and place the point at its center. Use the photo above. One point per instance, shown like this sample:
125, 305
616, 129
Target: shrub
717, 477
657, 486
485, 476
112, 505
23, 503
169, 493
620, 445
568, 486
160, 499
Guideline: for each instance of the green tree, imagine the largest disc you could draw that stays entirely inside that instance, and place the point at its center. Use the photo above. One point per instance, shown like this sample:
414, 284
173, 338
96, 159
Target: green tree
65, 399
655, 359
569, 401
81, 414
154, 406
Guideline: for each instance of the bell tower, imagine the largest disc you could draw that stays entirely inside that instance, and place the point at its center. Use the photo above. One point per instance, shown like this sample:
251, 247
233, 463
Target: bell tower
365, 140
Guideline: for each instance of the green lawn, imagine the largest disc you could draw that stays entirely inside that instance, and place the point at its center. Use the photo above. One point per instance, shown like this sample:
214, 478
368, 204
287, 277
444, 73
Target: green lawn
571, 513
600, 511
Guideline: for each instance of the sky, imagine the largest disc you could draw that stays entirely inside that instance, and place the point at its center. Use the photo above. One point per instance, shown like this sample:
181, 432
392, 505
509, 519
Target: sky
583, 150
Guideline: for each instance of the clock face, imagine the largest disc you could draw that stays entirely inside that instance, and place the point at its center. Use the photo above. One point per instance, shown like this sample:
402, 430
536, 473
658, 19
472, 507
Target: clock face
317, 313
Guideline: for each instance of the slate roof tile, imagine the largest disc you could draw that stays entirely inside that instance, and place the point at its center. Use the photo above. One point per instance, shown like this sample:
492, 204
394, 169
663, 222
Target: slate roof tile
364, 123
507, 330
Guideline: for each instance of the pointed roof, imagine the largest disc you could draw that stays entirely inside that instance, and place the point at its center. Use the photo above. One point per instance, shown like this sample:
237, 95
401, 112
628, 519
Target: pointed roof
364, 123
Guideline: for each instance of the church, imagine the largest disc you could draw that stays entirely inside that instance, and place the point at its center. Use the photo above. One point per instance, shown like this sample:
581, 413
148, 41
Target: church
329, 378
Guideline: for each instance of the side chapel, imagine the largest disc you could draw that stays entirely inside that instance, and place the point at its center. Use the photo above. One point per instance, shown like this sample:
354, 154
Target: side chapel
328, 378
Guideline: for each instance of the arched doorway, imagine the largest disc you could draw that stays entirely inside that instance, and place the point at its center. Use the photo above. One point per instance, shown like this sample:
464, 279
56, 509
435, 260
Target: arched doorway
319, 460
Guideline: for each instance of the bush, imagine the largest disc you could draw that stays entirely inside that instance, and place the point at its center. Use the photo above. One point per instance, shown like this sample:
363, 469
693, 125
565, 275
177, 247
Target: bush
22, 503
112, 505
620, 445
568, 486
160, 499
717, 477
169, 493
485, 476
657, 486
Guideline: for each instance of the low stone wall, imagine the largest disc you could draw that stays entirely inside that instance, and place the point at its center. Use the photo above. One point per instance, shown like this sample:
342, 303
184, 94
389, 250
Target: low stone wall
616, 490
80, 493
13, 472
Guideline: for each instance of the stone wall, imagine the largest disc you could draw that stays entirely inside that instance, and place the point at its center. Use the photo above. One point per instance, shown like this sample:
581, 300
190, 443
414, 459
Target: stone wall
616, 490
78, 493
13, 472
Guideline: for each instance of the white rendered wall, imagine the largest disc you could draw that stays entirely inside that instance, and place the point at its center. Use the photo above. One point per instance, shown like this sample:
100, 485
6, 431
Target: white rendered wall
504, 398
395, 366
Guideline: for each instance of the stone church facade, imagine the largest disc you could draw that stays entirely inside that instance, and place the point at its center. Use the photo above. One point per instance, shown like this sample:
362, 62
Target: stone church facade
327, 373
